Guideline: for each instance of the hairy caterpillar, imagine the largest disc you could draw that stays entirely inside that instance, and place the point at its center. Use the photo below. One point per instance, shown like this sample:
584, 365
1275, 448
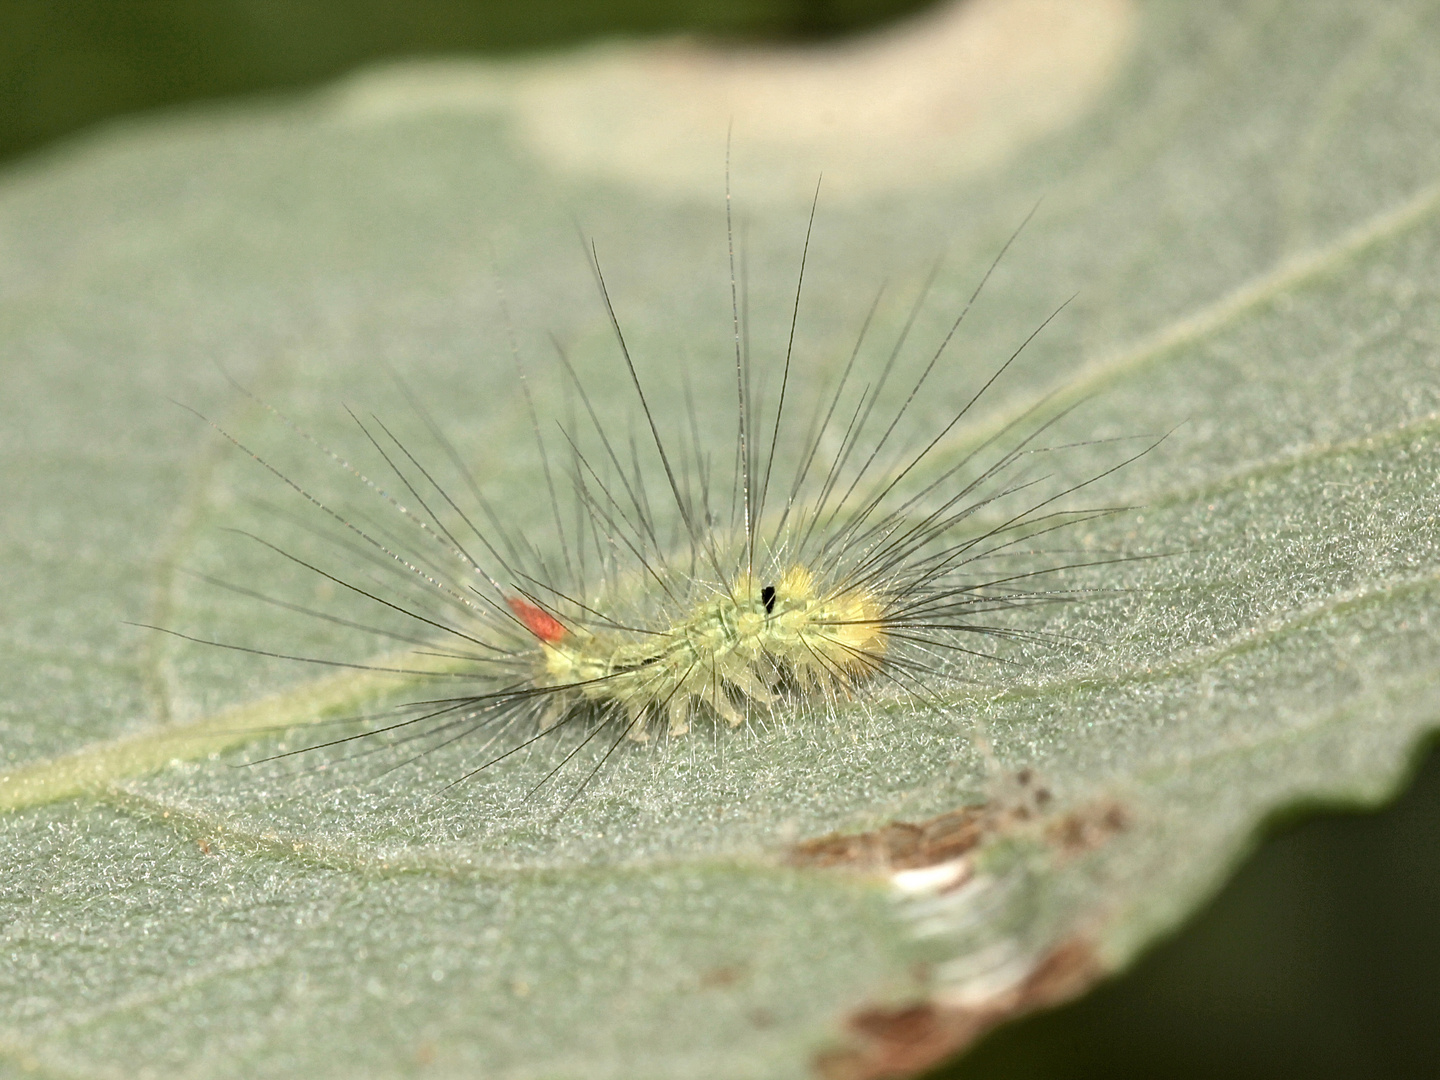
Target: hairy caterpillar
672, 591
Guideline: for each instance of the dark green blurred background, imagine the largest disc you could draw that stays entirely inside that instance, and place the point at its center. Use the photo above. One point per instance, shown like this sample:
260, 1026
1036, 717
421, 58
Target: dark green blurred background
68, 63
1321, 959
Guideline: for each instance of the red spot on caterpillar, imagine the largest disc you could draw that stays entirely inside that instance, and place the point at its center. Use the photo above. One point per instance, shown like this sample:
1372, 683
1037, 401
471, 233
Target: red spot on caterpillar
540, 623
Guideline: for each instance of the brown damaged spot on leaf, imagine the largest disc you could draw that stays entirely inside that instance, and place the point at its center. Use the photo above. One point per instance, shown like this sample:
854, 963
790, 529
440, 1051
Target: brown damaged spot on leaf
1087, 828
722, 976
904, 845
901, 845
891, 1043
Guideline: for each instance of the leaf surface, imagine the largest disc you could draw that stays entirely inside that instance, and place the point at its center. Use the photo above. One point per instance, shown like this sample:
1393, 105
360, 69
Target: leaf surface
1248, 216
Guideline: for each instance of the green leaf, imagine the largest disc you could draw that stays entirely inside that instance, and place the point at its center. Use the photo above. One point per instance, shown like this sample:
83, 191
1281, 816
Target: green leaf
1244, 201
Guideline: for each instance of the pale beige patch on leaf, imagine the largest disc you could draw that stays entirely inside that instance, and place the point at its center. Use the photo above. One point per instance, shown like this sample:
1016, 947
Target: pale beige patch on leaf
948, 93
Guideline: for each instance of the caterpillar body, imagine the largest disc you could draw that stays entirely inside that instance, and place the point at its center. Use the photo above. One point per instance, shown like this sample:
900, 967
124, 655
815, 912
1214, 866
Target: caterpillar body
739, 641
877, 564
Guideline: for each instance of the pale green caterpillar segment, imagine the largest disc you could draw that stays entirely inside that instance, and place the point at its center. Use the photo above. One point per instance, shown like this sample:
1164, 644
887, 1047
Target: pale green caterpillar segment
739, 640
